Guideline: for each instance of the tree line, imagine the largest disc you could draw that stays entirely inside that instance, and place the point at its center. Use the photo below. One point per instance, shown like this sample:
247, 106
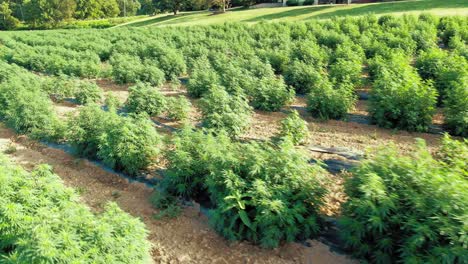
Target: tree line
49, 13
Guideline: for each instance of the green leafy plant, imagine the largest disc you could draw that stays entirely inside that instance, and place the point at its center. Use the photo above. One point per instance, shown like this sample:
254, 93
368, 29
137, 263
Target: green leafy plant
456, 108
129, 144
408, 208
303, 77
327, 102
178, 108
26, 109
88, 92
221, 111
294, 128
144, 98
271, 94
399, 99
39, 216
201, 79
261, 193
166, 203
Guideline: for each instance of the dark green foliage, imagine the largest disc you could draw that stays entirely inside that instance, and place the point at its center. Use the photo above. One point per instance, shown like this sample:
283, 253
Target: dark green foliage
170, 61
127, 144
26, 109
7, 20
201, 79
271, 94
302, 77
431, 63
310, 53
191, 159
144, 98
456, 108
268, 195
328, 102
409, 208
130, 69
222, 111
41, 220
178, 108
261, 193
399, 99
166, 203
346, 71
130, 144
294, 128
88, 92
293, 2
86, 129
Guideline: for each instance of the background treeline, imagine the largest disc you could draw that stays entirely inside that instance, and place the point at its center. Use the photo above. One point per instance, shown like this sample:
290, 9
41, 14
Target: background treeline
52, 13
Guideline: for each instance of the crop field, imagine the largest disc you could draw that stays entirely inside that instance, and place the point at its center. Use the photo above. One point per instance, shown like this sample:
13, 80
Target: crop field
321, 141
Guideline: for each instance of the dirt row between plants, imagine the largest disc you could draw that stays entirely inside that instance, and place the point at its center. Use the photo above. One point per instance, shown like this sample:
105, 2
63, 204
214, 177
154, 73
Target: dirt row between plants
186, 239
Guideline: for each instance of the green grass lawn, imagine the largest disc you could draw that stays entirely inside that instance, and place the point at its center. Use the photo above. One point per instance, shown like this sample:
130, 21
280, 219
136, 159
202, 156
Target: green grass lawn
304, 13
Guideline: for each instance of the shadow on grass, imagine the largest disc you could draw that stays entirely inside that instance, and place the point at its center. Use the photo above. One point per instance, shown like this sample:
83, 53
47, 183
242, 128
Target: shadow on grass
158, 20
289, 13
394, 7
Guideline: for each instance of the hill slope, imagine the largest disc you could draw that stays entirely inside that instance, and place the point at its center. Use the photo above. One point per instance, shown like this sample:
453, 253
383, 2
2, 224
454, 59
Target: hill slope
302, 13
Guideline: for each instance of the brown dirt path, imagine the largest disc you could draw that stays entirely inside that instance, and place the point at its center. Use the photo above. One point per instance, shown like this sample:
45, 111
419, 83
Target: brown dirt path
186, 239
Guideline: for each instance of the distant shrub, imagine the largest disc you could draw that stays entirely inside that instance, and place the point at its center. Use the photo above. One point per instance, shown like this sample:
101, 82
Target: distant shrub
407, 208
425, 36
150, 73
112, 102
294, 128
125, 68
302, 77
293, 3
222, 111
144, 98
178, 108
271, 94
88, 92
456, 108
40, 216
327, 102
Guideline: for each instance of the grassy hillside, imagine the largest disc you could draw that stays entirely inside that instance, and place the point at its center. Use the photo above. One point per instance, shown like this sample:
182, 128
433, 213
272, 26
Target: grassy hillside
301, 13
